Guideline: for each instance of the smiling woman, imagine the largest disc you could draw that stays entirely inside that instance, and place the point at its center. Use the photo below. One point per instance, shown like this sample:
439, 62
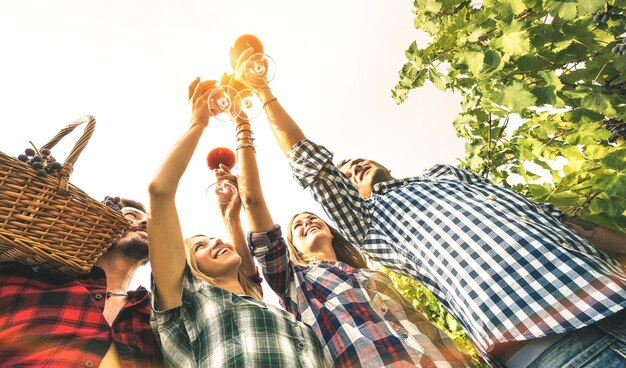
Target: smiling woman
207, 301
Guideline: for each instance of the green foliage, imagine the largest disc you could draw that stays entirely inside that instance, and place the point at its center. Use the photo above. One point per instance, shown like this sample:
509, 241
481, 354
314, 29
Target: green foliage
538, 81
424, 301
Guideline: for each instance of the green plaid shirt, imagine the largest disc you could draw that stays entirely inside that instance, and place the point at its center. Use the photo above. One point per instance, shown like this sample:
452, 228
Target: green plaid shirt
216, 328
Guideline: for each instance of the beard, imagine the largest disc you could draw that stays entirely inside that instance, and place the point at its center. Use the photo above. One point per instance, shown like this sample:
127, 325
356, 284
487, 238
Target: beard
379, 176
135, 248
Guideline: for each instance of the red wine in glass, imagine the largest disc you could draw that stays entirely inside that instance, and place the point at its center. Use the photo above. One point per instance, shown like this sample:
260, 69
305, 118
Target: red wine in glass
221, 155
222, 191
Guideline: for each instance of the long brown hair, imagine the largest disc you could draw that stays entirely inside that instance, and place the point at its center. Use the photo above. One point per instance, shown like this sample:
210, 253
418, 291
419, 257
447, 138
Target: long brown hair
248, 286
346, 252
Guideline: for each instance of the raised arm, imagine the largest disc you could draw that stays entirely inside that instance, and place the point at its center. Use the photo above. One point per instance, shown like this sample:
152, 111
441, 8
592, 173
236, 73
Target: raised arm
285, 129
167, 254
257, 213
266, 241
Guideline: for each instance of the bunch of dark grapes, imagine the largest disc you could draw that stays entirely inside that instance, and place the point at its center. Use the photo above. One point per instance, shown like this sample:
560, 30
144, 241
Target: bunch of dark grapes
601, 17
617, 127
42, 161
114, 203
619, 89
620, 48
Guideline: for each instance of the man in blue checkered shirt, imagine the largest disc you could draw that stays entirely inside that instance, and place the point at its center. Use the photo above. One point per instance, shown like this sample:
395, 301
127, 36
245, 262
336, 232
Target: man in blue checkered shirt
529, 291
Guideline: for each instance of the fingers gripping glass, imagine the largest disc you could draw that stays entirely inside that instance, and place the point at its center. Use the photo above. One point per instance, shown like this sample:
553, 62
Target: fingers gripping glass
222, 191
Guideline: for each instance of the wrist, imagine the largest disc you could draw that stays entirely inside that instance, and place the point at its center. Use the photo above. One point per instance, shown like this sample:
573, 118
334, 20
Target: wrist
198, 123
265, 93
232, 219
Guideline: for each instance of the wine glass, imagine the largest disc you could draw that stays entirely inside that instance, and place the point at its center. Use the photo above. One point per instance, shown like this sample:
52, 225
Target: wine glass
247, 104
222, 102
222, 191
259, 69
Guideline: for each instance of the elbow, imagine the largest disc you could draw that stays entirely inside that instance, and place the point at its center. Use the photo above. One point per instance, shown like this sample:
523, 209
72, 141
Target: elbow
158, 188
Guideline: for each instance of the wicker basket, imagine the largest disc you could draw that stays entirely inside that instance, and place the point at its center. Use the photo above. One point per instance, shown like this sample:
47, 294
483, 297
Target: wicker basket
48, 223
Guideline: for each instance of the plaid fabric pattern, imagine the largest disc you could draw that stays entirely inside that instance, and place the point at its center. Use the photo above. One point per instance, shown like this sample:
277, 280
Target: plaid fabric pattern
359, 325
216, 328
506, 267
50, 321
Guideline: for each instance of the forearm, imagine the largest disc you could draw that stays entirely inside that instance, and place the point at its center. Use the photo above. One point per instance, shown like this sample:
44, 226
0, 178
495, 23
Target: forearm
167, 177
285, 129
167, 256
609, 241
257, 213
235, 232
165, 239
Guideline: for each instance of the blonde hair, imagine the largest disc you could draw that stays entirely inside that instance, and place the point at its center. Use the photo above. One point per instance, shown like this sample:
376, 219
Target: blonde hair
346, 252
249, 287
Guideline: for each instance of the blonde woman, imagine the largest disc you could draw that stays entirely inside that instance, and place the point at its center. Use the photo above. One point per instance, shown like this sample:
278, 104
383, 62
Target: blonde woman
207, 306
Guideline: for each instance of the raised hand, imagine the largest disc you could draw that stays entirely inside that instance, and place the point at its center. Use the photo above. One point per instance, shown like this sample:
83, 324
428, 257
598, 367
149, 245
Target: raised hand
199, 98
229, 203
253, 70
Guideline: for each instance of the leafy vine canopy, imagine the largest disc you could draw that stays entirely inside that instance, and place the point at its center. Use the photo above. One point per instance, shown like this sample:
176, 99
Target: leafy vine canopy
543, 87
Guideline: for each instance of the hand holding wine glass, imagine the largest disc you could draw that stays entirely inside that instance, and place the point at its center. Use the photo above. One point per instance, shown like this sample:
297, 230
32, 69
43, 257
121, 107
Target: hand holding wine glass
199, 92
253, 69
230, 206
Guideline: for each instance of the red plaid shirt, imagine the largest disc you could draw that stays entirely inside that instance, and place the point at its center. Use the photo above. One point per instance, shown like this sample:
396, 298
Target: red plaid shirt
50, 321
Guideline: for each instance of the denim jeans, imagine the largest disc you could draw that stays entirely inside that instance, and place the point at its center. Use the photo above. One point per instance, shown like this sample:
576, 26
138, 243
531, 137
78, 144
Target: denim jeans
600, 345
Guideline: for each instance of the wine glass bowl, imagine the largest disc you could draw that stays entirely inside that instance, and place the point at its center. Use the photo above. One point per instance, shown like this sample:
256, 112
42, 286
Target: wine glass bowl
221, 155
247, 104
221, 192
221, 102
259, 69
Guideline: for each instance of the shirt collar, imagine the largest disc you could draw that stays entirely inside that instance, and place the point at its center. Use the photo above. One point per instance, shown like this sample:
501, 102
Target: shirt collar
387, 186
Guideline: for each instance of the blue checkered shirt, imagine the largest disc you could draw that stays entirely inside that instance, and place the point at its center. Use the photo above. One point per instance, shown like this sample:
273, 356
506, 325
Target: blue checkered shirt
505, 267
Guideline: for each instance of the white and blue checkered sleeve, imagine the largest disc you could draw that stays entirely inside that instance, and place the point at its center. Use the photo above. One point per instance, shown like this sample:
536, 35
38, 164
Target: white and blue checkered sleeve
313, 168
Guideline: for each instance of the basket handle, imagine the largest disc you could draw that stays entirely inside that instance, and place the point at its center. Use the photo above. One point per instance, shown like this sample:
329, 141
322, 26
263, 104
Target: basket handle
68, 165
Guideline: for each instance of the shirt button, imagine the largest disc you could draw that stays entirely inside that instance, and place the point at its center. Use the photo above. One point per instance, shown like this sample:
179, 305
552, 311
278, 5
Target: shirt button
384, 310
565, 245
376, 187
405, 182
524, 217
89, 364
97, 296
301, 345
491, 197
294, 324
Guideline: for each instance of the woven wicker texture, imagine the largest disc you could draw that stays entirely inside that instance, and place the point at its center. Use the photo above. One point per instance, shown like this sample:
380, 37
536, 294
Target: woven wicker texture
48, 223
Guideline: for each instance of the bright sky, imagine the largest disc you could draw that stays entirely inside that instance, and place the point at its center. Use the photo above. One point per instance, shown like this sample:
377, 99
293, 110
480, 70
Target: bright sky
129, 63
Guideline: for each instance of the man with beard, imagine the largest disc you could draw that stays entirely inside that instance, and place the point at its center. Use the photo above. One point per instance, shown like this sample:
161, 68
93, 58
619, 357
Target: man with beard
90, 320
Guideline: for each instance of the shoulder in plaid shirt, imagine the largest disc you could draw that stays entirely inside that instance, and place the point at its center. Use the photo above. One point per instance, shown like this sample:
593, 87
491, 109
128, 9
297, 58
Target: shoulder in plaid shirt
216, 328
48, 321
506, 267
356, 313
